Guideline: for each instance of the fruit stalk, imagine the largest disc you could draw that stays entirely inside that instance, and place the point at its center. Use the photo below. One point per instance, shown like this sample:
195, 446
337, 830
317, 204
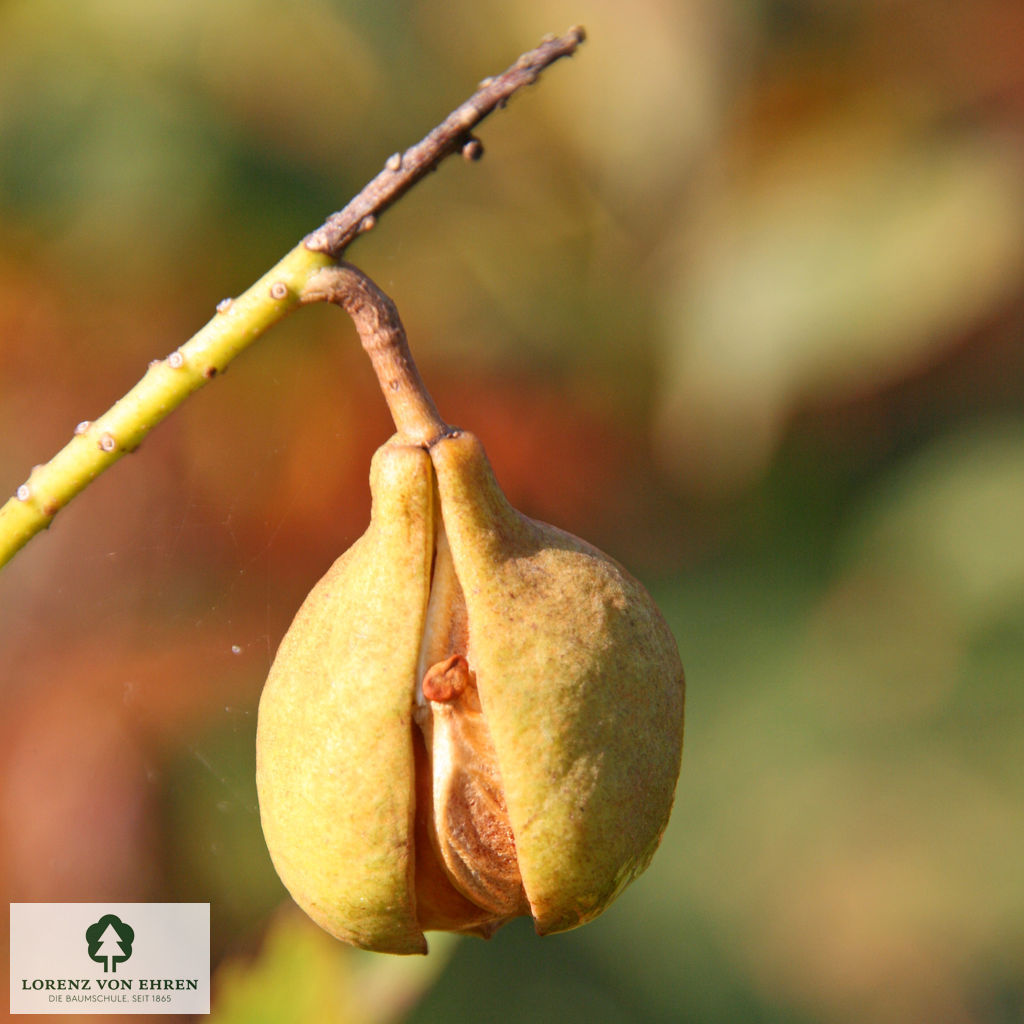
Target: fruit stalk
384, 340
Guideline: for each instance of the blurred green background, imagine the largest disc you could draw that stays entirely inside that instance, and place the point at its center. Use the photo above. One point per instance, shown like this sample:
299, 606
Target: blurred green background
737, 294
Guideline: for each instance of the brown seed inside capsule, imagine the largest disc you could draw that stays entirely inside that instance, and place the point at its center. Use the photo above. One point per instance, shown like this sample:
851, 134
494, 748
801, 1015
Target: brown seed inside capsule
466, 818
447, 680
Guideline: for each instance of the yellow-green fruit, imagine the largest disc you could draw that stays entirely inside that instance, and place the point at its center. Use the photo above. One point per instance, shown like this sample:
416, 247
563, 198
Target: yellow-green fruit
474, 716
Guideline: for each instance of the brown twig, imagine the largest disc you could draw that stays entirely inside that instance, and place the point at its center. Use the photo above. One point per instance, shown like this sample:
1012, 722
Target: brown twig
403, 170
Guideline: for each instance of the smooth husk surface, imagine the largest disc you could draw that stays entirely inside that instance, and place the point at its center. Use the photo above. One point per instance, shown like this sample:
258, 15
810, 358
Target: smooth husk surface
473, 716
334, 753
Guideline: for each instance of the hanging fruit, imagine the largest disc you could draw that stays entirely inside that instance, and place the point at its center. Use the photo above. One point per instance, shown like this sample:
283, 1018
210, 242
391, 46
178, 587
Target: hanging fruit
473, 716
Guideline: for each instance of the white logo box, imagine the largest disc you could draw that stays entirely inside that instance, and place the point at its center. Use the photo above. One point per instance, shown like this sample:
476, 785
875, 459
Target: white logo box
110, 958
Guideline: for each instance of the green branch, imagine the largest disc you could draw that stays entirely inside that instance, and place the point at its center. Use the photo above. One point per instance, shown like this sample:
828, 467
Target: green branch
167, 383
238, 322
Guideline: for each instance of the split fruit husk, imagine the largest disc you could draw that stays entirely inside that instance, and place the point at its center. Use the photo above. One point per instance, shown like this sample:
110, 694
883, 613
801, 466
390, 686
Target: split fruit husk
473, 717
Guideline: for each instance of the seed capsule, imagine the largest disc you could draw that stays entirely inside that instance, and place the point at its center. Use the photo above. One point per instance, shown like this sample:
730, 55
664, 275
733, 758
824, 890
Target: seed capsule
473, 717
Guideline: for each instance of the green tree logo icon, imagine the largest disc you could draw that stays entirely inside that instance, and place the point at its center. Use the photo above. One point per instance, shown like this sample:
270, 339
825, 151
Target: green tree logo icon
110, 942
